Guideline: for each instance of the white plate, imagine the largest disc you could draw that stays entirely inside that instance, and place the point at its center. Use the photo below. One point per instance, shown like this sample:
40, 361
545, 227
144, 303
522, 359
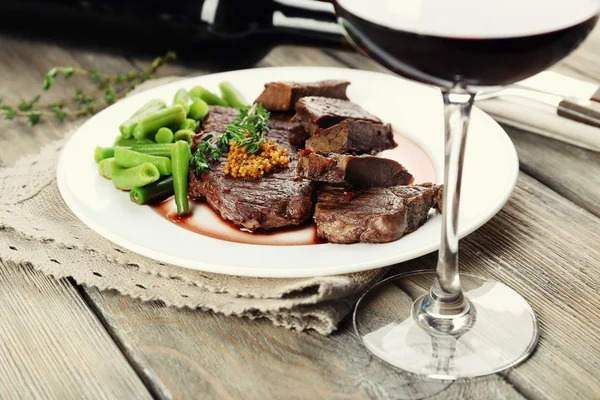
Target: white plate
491, 169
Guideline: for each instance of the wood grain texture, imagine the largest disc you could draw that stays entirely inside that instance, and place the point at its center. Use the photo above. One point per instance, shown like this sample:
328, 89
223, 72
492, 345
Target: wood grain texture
569, 170
190, 354
53, 346
546, 248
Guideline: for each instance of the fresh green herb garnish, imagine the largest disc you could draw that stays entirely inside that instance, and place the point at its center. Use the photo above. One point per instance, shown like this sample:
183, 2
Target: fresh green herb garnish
108, 89
248, 130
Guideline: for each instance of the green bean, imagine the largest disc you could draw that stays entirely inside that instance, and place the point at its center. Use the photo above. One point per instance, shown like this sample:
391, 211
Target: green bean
106, 167
127, 158
100, 153
198, 109
189, 124
128, 126
138, 176
233, 96
182, 97
120, 141
154, 149
164, 135
154, 192
209, 97
149, 124
183, 134
181, 166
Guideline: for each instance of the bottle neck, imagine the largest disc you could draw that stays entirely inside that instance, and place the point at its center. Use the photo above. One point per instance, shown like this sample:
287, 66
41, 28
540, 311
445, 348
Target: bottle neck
302, 22
312, 22
205, 29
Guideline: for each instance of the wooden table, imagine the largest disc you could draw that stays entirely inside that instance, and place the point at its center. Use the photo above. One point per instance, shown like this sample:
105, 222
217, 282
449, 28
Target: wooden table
60, 340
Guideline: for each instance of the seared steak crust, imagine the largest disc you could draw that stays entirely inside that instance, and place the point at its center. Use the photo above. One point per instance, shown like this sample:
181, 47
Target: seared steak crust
282, 96
316, 113
375, 215
353, 136
359, 171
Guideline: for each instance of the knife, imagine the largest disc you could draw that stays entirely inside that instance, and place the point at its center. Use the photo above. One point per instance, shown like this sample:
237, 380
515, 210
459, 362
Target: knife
572, 98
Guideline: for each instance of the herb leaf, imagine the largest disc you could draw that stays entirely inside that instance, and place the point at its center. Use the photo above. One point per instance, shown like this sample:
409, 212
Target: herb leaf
248, 130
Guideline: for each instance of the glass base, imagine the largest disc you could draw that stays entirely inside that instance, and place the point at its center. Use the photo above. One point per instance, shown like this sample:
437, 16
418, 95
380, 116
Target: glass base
502, 333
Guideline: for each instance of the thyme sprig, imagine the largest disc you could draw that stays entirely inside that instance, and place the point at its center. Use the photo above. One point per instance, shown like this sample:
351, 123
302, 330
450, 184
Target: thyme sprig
248, 131
108, 89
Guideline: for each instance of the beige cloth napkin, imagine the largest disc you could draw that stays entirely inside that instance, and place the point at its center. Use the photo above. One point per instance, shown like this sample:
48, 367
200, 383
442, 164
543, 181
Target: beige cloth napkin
542, 119
36, 227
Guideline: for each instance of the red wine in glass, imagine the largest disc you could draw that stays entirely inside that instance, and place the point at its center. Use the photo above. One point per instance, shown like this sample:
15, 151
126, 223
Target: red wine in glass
444, 325
527, 37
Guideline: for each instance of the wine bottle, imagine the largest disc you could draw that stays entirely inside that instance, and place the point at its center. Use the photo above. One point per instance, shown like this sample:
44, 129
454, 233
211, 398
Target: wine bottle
232, 32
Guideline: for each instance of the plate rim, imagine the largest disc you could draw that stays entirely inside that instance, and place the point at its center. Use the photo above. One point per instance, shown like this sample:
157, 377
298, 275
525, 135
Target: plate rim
273, 272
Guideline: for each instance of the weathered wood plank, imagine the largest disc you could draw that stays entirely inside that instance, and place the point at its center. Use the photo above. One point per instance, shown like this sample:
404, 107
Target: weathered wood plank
53, 346
571, 171
202, 354
546, 248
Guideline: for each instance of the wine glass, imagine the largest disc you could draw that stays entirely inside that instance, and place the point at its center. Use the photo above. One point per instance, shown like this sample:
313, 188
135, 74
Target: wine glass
442, 325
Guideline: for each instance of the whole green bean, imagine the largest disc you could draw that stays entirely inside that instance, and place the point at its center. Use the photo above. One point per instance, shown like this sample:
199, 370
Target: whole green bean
181, 166
154, 192
183, 134
149, 124
127, 158
232, 95
182, 97
154, 149
189, 124
198, 109
120, 141
164, 135
209, 97
100, 153
128, 126
138, 176
106, 167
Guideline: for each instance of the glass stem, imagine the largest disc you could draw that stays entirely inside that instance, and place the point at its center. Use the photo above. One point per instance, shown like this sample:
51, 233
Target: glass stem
445, 294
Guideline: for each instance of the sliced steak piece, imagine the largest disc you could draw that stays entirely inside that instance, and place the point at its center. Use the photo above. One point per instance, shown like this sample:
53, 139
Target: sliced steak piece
282, 96
277, 200
375, 215
353, 136
315, 113
218, 117
282, 121
360, 171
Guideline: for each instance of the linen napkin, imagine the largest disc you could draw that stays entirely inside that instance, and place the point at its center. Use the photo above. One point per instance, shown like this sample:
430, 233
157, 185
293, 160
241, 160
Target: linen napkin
37, 228
542, 119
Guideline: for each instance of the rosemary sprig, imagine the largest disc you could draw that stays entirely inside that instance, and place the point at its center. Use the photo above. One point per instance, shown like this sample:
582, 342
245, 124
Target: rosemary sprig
108, 89
248, 130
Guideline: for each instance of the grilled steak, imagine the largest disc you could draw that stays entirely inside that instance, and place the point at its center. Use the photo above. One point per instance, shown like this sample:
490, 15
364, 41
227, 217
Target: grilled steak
282, 96
218, 117
375, 215
360, 171
315, 113
353, 136
277, 200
